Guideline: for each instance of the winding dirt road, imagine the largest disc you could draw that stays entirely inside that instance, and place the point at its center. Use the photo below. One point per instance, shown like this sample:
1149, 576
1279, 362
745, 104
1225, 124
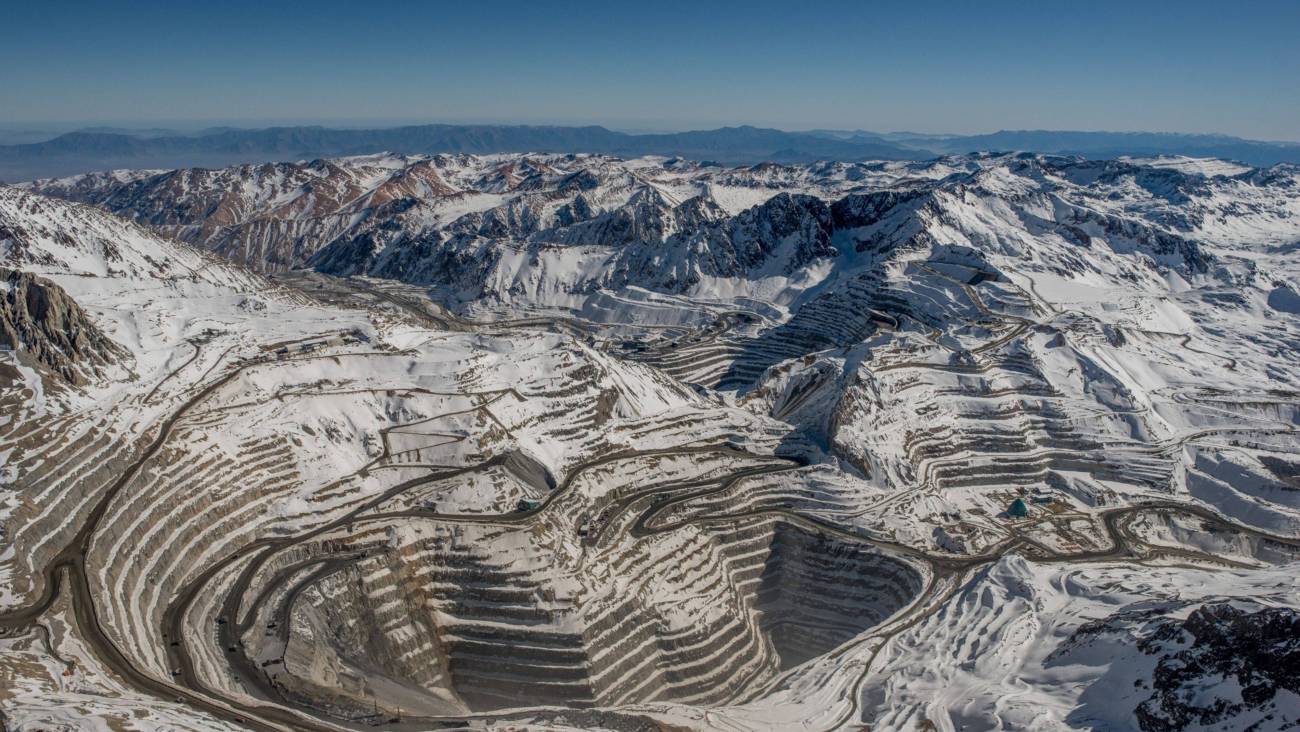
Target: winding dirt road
640, 511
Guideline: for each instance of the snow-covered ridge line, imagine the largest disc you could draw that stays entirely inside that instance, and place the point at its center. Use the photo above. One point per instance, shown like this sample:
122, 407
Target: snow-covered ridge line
545, 230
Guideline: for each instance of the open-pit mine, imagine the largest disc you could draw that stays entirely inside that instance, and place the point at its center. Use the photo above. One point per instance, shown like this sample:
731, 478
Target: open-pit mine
578, 442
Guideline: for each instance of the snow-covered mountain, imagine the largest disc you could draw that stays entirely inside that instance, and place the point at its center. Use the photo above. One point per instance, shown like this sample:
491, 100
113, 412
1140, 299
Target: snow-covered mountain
46, 328
546, 230
577, 441
277, 215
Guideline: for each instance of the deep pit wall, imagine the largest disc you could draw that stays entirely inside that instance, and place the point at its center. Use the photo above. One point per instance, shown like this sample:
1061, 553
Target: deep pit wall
511, 616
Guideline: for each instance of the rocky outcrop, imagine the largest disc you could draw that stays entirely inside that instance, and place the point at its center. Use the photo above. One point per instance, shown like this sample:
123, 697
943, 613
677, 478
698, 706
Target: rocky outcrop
43, 324
1221, 662
460, 222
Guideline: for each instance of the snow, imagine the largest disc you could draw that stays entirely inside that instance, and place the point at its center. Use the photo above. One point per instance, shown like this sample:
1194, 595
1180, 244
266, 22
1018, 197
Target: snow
1000, 655
1200, 166
734, 199
1103, 334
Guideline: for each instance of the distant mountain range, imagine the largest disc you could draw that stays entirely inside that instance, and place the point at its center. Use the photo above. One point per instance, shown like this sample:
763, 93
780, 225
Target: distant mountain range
84, 151
1095, 145
104, 149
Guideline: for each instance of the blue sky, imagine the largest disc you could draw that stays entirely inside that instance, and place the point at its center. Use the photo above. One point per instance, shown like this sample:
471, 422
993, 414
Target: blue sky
925, 66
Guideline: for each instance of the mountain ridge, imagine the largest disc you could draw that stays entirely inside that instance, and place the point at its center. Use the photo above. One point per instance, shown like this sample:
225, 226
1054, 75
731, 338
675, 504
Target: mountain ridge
78, 152
106, 148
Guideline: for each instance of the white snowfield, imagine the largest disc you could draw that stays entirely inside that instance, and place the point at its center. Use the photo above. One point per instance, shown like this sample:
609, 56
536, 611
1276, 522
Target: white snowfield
587, 443
1012, 648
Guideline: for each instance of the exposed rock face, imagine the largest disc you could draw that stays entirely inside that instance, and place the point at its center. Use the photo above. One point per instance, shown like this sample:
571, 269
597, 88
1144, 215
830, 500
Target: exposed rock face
41, 322
499, 628
270, 216
550, 230
1221, 662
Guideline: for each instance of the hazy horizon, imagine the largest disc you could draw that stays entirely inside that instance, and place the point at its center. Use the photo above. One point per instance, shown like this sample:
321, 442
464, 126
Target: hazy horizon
948, 68
192, 126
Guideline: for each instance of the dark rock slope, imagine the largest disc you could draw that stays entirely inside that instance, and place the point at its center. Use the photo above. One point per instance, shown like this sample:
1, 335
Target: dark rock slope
45, 326
1220, 663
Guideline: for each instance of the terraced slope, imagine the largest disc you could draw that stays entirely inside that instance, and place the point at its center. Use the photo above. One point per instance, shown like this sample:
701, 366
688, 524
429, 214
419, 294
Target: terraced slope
644, 444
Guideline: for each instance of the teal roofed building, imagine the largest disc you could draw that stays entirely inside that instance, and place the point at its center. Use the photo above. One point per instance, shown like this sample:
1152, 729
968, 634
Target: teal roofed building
1018, 509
